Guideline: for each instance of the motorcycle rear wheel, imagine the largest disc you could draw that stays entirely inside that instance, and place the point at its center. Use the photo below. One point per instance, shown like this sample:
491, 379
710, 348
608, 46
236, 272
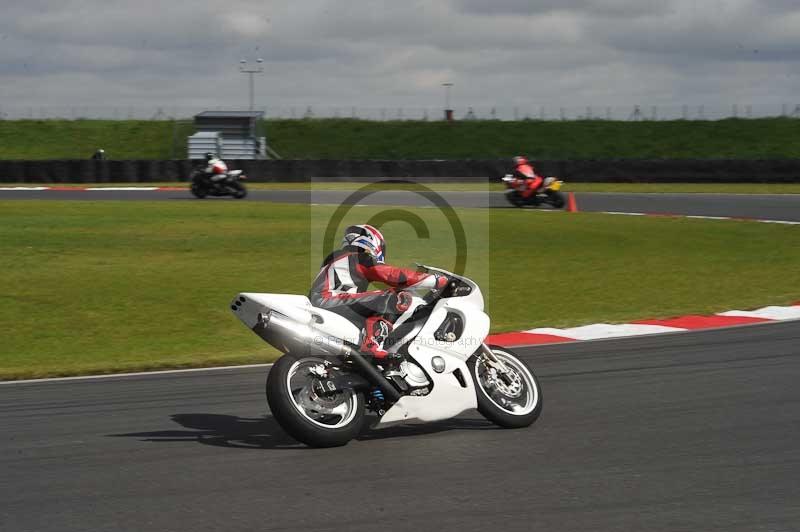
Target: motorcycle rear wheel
510, 405
317, 421
199, 191
557, 199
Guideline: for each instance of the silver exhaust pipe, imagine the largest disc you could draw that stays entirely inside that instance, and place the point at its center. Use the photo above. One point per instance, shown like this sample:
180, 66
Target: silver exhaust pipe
290, 336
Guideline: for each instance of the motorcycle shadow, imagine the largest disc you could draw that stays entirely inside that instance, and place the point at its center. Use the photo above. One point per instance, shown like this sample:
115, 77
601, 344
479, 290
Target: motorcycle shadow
222, 430
403, 431
207, 198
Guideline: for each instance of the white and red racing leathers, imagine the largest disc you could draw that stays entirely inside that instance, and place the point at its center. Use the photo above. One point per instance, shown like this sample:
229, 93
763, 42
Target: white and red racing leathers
216, 169
341, 287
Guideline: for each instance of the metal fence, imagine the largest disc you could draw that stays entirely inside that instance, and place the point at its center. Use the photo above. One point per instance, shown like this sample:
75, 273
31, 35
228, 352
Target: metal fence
505, 113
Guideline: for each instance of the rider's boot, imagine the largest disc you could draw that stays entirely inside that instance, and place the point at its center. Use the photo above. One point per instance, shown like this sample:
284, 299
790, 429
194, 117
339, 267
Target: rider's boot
376, 331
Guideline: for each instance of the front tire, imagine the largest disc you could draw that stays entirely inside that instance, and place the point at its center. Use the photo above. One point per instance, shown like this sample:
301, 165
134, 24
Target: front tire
312, 419
510, 405
515, 199
239, 190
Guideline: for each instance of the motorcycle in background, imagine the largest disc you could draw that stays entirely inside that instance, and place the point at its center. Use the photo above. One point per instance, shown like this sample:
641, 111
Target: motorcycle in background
230, 185
549, 193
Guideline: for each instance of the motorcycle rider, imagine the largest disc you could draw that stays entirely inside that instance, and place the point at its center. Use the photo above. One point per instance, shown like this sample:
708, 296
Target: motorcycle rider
341, 286
216, 169
529, 181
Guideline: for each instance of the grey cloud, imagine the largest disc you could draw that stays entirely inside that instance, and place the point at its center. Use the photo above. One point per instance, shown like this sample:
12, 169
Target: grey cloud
692, 36
620, 8
389, 53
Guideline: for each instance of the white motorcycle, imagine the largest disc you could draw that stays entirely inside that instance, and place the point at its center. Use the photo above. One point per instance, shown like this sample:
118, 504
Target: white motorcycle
320, 390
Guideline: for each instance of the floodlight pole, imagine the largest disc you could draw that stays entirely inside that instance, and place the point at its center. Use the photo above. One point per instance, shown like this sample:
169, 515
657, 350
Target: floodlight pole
251, 71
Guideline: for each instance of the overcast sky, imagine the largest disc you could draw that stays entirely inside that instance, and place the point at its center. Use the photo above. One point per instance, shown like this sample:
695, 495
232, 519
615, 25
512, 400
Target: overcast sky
363, 53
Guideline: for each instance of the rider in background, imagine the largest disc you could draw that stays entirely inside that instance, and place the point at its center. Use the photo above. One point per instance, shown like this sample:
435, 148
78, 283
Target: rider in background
341, 286
216, 168
528, 181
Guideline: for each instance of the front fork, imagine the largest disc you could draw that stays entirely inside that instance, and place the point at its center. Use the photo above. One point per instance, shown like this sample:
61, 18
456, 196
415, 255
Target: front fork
492, 361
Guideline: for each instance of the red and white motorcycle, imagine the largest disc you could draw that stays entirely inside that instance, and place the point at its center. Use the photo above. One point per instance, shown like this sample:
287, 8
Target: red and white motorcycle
321, 389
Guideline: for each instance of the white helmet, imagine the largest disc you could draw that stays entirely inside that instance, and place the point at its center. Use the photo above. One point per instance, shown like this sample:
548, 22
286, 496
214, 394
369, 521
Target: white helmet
367, 238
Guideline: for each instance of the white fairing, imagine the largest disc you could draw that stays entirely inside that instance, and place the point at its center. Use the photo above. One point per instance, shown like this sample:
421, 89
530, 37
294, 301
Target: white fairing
448, 397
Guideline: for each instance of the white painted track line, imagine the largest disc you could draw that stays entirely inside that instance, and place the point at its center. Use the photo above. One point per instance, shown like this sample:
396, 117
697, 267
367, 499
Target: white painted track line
137, 374
605, 330
767, 313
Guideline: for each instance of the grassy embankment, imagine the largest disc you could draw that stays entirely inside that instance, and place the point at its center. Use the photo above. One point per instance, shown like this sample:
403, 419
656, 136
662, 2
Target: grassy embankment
355, 139
116, 286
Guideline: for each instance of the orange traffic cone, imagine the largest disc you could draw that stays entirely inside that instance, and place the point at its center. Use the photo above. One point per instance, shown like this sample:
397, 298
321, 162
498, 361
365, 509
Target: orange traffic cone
572, 205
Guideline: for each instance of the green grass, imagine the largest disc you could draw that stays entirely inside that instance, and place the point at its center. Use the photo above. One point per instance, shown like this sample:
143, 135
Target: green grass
78, 139
353, 139
116, 286
358, 139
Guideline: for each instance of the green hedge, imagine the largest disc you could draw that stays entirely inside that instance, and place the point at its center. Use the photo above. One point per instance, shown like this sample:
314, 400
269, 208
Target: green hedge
774, 138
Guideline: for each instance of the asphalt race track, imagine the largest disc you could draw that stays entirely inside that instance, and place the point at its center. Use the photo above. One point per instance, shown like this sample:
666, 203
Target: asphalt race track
766, 206
696, 431
693, 431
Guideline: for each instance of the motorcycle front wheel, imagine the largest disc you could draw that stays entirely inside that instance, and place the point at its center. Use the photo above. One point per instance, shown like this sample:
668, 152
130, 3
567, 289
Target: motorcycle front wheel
515, 199
239, 190
306, 414
510, 400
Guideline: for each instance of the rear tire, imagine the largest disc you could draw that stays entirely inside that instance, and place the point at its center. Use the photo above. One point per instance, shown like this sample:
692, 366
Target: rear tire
307, 425
511, 415
199, 191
